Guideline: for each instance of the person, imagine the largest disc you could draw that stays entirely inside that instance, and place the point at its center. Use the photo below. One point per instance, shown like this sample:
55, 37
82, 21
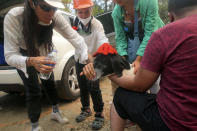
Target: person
123, 18
148, 21
28, 39
174, 52
92, 31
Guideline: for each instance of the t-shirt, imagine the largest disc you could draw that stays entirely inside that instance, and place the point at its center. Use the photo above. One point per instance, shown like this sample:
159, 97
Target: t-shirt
96, 38
172, 52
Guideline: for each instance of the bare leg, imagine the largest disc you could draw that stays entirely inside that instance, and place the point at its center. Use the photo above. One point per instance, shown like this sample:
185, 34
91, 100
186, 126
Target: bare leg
114, 87
117, 123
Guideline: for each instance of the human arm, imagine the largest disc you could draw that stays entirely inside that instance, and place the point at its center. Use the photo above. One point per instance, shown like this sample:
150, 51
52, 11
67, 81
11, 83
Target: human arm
140, 82
121, 39
148, 71
90, 58
64, 28
13, 43
151, 22
136, 64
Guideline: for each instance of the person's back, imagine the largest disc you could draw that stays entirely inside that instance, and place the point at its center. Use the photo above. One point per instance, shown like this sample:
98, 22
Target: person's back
179, 74
177, 58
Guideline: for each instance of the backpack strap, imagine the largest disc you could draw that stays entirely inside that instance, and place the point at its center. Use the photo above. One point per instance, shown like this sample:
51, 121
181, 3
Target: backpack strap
75, 22
136, 31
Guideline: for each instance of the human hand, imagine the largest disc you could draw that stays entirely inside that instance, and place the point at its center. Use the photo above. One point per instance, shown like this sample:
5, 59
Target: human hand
88, 71
136, 64
41, 64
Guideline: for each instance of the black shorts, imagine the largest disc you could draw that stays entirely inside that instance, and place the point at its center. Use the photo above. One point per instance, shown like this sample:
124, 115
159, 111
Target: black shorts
140, 108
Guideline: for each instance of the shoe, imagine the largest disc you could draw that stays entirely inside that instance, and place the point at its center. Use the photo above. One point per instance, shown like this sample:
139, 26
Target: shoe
83, 115
98, 123
58, 117
37, 129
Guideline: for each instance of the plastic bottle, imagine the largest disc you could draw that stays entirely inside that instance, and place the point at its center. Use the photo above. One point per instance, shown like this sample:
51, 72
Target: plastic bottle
53, 57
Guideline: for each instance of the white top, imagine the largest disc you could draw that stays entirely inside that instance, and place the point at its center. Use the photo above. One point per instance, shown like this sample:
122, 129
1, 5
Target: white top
96, 38
14, 39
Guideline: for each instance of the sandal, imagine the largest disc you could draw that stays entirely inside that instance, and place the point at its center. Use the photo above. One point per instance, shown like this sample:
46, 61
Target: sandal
98, 123
129, 123
83, 115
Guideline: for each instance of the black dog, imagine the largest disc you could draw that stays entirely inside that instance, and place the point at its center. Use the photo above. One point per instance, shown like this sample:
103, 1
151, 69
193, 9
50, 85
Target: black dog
108, 64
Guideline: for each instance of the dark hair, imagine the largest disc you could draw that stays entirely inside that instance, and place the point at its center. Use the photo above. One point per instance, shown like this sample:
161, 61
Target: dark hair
34, 34
179, 6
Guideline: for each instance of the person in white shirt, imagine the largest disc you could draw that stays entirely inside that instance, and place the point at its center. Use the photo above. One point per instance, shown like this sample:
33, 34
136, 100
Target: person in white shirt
28, 39
92, 31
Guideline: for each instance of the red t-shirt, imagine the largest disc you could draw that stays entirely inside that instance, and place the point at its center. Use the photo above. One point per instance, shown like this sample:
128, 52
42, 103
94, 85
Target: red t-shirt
172, 52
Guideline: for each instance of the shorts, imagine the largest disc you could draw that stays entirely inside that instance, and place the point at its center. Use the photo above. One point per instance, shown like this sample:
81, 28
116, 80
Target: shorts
140, 108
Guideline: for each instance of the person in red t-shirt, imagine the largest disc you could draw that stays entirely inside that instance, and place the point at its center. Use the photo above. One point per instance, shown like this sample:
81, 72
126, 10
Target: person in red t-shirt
171, 53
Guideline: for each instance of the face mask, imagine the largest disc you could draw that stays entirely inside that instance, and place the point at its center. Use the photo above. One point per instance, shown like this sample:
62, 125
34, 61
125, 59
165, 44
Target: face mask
85, 21
44, 24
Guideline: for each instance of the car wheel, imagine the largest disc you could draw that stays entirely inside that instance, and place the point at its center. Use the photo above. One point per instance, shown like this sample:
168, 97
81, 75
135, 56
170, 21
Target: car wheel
69, 88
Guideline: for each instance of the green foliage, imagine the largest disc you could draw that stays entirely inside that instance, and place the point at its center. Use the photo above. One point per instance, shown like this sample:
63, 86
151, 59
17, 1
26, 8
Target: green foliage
100, 6
97, 10
163, 10
67, 4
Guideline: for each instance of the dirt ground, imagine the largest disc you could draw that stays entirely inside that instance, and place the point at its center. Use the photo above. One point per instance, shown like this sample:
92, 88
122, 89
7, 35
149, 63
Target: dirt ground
13, 116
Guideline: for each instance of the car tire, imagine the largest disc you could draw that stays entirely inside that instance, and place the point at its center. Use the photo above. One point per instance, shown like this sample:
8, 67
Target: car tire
69, 87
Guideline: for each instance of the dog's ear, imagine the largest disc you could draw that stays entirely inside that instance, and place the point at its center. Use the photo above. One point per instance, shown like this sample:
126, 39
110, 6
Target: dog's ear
119, 64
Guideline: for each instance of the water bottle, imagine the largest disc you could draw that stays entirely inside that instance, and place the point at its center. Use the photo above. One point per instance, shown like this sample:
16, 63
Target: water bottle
53, 57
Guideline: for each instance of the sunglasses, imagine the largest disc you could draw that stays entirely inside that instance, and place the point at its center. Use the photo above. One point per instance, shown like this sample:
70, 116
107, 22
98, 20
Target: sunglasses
45, 7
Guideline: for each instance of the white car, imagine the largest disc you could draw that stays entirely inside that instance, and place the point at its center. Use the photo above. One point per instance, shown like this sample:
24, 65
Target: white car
65, 72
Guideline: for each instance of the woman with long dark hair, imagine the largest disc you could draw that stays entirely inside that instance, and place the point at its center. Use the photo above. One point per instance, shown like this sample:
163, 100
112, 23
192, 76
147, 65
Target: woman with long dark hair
28, 34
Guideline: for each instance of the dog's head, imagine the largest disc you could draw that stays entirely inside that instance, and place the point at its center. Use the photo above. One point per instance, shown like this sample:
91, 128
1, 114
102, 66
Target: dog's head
108, 64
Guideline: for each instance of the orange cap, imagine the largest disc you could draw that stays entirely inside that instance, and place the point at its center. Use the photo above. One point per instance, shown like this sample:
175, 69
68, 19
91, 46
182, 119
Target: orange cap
80, 4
